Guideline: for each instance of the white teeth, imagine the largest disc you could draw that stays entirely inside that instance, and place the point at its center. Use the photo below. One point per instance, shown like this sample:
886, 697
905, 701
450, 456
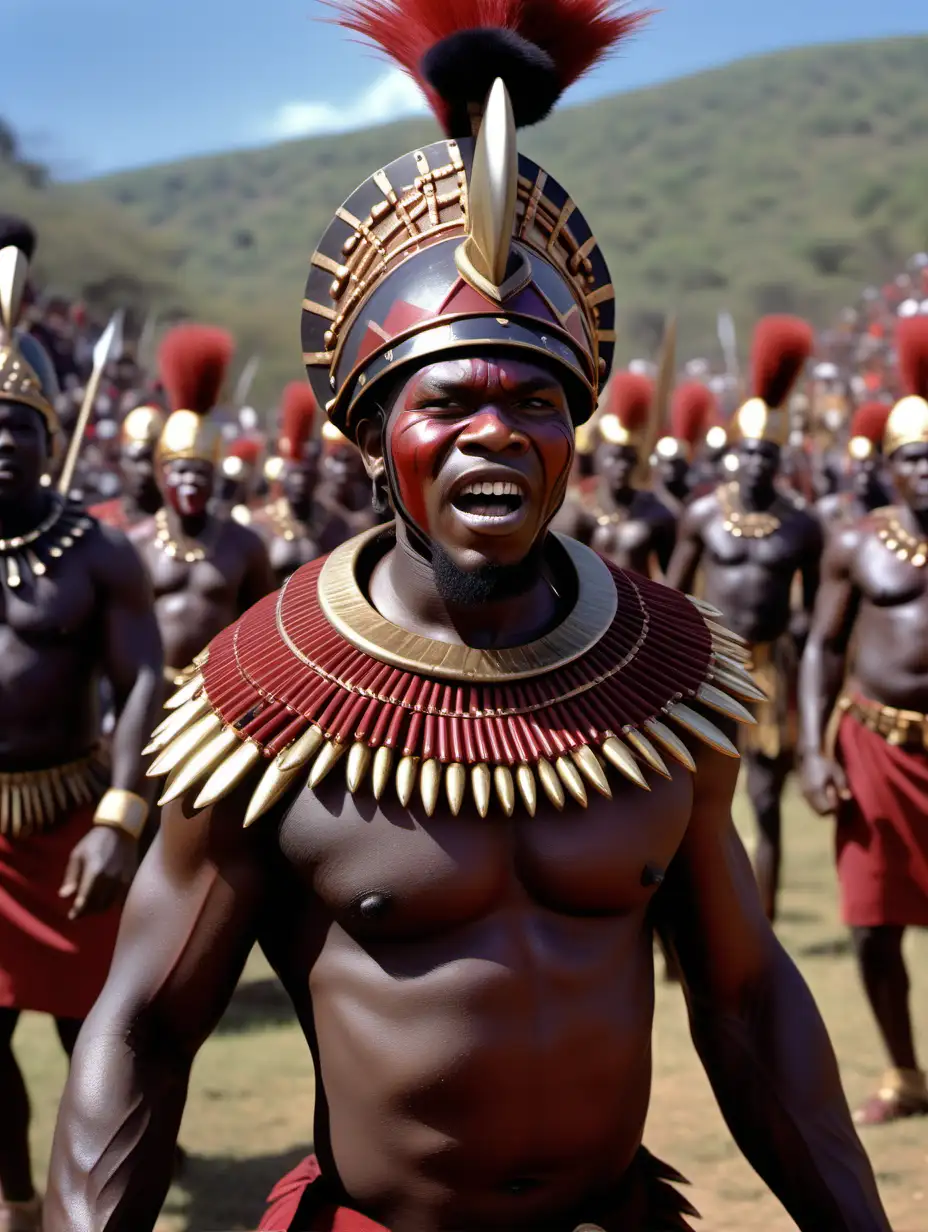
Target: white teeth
502, 487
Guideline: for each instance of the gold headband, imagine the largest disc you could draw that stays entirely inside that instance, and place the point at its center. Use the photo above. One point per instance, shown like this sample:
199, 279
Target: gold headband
670, 447
613, 432
907, 424
189, 435
756, 421
860, 447
143, 425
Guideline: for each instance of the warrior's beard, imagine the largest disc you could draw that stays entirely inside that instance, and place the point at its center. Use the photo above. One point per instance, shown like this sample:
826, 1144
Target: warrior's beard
488, 583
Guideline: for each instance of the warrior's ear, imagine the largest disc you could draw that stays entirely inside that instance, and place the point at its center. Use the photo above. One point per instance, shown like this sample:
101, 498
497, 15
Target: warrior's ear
370, 440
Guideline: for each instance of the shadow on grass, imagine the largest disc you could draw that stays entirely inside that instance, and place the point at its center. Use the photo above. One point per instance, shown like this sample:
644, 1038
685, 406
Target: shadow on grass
831, 947
256, 1005
222, 1194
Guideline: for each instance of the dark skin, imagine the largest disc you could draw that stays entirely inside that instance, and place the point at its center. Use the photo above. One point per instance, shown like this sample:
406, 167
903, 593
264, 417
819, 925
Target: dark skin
89, 617
751, 581
341, 498
298, 483
869, 626
866, 490
672, 482
478, 999
631, 526
195, 601
141, 496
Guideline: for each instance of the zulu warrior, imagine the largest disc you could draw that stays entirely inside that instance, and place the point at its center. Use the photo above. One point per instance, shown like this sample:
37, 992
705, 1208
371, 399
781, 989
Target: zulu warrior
691, 412
141, 496
867, 489
864, 666
205, 570
627, 522
342, 504
238, 472
286, 520
454, 774
752, 540
76, 606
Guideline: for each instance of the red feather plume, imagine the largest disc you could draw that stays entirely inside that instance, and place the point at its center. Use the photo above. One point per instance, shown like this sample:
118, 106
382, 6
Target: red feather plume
248, 448
691, 411
193, 361
630, 398
912, 348
298, 414
869, 420
782, 344
539, 47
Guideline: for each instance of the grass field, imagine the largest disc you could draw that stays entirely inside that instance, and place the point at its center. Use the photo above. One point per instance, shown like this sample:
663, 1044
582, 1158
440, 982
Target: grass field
250, 1105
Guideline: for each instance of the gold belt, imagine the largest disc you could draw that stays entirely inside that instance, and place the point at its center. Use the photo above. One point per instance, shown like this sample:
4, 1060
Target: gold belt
32, 800
895, 726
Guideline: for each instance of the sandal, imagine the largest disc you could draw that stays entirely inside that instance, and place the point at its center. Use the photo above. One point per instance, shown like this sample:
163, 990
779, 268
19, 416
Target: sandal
904, 1093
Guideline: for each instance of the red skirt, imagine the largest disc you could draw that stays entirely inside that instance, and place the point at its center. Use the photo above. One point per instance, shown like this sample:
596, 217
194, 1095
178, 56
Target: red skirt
882, 833
49, 963
302, 1201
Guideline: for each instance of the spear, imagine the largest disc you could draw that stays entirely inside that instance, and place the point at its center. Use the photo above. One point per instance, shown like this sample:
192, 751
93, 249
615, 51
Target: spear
109, 342
145, 351
246, 380
729, 344
663, 388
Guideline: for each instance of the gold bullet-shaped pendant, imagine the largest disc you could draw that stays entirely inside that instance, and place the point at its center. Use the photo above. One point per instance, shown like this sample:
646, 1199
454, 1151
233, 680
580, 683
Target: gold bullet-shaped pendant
455, 786
36, 565
359, 759
199, 764
298, 754
550, 783
706, 608
528, 790
330, 753
480, 783
430, 784
505, 789
185, 693
739, 684
739, 655
619, 756
725, 635
13, 577
184, 744
670, 742
710, 696
228, 774
707, 732
175, 722
272, 786
570, 777
646, 751
406, 773
592, 771
380, 775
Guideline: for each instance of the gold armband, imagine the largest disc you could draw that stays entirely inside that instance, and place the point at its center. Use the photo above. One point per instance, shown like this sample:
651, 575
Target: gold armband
122, 810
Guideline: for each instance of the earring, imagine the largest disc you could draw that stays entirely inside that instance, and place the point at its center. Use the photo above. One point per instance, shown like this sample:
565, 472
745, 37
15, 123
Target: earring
380, 502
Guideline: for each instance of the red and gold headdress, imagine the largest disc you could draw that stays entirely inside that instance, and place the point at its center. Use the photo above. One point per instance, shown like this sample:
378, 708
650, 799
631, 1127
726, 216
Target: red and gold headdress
242, 456
298, 417
692, 410
908, 420
626, 416
868, 427
143, 425
193, 362
465, 242
782, 345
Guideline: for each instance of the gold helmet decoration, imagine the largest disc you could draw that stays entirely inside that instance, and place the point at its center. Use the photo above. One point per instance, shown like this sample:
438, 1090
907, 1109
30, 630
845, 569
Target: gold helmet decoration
627, 411
868, 427
782, 345
193, 361
692, 409
26, 372
465, 242
908, 420
143, 425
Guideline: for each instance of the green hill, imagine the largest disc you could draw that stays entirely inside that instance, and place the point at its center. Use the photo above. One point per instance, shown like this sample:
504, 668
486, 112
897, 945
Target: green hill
783, 183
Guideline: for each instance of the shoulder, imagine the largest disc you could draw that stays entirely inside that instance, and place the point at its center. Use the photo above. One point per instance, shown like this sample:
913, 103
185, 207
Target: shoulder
243, 538
116, 561
701, 511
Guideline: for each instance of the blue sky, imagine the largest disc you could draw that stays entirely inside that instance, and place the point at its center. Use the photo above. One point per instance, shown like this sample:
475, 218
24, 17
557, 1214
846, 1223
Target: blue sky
105, 84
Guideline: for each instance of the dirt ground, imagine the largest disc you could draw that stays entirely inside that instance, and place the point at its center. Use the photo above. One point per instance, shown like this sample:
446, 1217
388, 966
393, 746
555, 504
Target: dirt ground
250, 1106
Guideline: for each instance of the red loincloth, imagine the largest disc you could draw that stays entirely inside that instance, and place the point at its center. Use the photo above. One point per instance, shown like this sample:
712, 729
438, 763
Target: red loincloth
882, 833
110, 513
301, 1201
48, 962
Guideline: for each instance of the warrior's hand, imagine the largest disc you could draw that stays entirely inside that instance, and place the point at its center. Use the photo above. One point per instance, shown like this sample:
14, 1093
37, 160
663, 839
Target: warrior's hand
100, 871
823, 783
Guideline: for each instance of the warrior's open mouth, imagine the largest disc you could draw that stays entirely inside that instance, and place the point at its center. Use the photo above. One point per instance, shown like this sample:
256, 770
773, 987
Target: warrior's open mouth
489, 499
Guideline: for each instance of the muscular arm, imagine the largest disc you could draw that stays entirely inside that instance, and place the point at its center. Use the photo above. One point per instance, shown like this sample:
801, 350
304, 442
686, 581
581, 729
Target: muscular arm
823, 662
684, 562
259, 579
756, 1027
188, 926
132, 657
810, 576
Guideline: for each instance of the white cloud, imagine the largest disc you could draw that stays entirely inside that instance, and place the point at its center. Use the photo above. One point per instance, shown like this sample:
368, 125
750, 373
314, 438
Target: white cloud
392, 96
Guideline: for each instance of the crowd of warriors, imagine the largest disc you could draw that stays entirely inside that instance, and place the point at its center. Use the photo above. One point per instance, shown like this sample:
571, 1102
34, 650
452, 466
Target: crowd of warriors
774, 498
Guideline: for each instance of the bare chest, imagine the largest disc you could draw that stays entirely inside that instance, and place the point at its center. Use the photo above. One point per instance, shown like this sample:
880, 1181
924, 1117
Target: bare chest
54, 608
288, 554
388, 871
780, 551
217, 578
